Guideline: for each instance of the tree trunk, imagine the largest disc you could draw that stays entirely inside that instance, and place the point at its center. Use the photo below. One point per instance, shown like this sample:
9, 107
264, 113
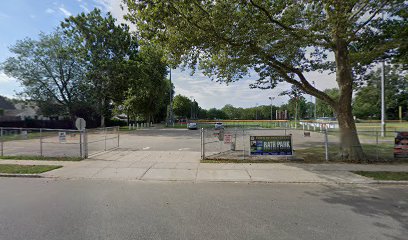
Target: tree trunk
350, 146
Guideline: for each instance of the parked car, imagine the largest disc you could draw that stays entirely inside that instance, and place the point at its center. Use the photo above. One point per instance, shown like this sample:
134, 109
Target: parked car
192, 126
401, 145
218, 126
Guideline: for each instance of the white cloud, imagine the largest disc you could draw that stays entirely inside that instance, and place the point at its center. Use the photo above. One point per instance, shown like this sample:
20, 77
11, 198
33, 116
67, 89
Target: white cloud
114, 7
84, 8
65, 11
49, 10
5, 79
212, 94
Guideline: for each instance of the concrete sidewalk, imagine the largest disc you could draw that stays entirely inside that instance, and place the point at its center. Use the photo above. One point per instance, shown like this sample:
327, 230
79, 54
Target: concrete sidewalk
185, 166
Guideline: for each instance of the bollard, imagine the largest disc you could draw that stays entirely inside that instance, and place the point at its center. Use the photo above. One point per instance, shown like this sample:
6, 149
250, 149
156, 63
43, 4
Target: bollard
326, 145
1, 142
202, 144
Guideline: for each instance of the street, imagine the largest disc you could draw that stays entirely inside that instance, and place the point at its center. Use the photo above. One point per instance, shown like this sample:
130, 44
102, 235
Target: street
96, 209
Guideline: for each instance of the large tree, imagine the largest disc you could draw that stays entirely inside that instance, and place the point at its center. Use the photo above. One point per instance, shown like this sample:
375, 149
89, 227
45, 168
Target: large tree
149, 88
182, 106
280, 40
107, 47
49, 71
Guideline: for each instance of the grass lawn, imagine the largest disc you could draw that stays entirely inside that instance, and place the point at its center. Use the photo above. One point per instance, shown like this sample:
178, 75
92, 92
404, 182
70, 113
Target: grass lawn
41, 158
396, 176
26, 169
380, 152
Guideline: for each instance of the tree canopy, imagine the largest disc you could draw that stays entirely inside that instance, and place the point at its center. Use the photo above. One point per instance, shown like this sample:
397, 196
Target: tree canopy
49, 70
280, 40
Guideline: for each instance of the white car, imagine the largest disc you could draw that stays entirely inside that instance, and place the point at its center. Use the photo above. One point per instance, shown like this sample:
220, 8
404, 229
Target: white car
192, 126
218, 125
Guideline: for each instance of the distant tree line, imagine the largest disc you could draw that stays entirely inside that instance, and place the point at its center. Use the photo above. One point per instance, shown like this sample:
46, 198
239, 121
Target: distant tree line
366, 101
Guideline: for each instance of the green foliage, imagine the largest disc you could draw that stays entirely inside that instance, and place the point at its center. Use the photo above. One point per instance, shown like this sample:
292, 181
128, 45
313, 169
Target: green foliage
49, 70
367, 102
322, 108
109, 49
148, 88
182, 106
229, 38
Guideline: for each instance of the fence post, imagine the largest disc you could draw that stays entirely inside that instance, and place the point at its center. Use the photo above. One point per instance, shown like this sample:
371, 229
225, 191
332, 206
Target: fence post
85, 144
1, 142
243, 142
41, 143
81, 150
376, 144
105, 137
118, 128
326, 145
202, 144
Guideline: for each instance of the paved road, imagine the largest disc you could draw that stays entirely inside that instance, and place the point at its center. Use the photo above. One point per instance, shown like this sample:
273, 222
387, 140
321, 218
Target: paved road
48, 209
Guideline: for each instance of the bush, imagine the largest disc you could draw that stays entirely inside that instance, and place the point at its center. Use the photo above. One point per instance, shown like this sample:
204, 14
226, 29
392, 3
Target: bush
116, 122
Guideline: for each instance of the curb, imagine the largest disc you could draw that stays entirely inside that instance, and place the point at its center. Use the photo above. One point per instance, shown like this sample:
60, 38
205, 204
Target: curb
20, 175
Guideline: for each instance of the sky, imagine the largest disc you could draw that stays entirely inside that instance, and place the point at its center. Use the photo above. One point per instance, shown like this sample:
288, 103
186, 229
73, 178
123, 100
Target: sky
27, 18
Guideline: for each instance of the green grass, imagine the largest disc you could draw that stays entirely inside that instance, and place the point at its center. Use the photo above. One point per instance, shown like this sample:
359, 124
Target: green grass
26, 169
380, 153
382, 175
249, 160
41, 158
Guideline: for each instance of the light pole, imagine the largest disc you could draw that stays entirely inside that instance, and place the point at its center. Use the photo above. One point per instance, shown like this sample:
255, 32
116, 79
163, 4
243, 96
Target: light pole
170, 117
271, 98
382, 99
191, 107
314, 85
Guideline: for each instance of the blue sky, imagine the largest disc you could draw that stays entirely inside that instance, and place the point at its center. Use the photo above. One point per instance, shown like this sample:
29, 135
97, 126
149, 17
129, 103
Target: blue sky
27, 18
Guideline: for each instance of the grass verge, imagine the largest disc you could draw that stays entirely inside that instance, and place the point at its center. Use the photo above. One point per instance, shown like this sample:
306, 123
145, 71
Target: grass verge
250, 161
41, 158
26, 169
374, 153
382, 175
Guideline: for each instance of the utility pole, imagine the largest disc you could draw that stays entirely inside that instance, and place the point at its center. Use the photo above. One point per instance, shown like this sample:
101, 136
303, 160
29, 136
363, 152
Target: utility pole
382, 94
170, 120
191, 107
315, 102
382, 99
271, 98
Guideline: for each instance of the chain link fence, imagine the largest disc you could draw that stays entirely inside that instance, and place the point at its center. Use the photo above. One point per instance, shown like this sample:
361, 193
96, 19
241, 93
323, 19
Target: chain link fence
320, 145
57, 142
102, 139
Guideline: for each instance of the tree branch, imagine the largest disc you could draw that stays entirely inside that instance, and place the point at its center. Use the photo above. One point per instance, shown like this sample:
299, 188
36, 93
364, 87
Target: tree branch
370, 18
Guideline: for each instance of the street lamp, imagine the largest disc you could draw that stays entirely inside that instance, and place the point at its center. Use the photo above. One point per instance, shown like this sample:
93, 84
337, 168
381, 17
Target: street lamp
382, 99
191, 107
314, 85
271, 98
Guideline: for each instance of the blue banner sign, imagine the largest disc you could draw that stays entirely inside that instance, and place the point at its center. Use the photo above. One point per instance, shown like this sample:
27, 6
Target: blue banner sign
271, 145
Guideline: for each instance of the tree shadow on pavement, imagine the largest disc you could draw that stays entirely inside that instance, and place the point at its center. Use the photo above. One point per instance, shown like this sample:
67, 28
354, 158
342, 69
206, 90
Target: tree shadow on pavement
373, 201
